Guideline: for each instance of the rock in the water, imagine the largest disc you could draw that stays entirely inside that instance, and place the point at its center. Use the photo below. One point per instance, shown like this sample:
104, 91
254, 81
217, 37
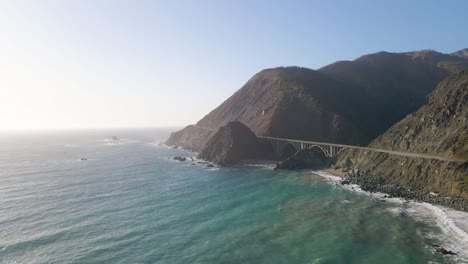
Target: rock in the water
442, 250
180, 158
231, 144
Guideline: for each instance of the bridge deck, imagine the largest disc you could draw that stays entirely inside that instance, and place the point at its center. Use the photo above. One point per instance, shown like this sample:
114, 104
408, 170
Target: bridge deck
392, 152
399, 153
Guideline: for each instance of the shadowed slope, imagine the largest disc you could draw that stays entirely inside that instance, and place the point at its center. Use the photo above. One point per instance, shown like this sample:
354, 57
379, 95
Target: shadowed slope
439, 127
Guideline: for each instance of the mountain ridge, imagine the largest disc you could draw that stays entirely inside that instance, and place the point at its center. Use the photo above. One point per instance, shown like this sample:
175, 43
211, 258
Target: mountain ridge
349, 102
463, 53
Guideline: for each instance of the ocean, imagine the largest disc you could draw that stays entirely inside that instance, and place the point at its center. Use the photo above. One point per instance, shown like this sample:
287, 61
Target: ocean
128, 201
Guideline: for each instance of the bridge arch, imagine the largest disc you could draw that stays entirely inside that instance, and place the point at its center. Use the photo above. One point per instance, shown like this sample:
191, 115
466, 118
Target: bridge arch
325, 151
341, 150
281, 146
289, 149
329, 149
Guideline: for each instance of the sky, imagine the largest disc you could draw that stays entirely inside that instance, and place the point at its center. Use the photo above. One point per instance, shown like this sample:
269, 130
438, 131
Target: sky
104, 64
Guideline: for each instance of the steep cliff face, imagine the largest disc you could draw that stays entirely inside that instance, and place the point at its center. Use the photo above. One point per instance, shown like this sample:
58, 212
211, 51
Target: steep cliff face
349, 102
439, 127
233, 143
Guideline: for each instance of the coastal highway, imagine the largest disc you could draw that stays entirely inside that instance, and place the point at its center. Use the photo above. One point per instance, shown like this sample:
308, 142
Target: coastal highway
392, 152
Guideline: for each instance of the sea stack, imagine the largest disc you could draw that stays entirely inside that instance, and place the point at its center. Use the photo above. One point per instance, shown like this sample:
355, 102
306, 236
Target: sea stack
231, 144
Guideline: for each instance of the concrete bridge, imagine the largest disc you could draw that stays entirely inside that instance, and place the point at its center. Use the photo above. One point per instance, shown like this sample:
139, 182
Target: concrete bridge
329, 149
332, 149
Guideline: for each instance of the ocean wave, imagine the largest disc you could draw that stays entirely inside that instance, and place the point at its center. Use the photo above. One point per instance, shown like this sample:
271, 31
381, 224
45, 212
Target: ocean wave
122, 141
71, 145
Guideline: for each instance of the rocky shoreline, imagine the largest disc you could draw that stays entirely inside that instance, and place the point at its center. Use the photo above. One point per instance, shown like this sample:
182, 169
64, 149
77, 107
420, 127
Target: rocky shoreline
370, 183
453, 222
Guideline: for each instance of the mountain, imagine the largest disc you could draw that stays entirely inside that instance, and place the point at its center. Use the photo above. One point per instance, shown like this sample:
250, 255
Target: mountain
395, 83
461, 53
439, 127
293, 102
349, 102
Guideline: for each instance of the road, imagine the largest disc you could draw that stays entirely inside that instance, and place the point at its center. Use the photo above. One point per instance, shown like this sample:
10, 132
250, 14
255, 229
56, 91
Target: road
392, 152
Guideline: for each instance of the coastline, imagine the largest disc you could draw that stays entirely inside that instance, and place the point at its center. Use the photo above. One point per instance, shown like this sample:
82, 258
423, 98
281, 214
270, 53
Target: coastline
460, 218
453, 223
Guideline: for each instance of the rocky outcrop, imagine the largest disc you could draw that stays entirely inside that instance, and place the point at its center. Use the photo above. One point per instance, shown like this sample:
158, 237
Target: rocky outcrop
233, 143
190, 138
313, 158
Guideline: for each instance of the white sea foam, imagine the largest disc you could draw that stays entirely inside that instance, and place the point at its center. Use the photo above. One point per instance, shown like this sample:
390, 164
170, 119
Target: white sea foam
268, 164
71, 145
120, 141
453, 223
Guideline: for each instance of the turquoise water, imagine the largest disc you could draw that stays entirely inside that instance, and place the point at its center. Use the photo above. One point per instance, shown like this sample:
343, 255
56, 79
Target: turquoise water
129, 203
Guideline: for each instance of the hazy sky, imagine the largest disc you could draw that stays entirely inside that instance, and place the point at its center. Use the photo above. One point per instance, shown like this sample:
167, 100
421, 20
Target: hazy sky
96, 63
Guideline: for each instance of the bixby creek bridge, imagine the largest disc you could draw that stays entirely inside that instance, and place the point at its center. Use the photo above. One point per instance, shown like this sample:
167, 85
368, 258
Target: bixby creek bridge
332, 149
329, 149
